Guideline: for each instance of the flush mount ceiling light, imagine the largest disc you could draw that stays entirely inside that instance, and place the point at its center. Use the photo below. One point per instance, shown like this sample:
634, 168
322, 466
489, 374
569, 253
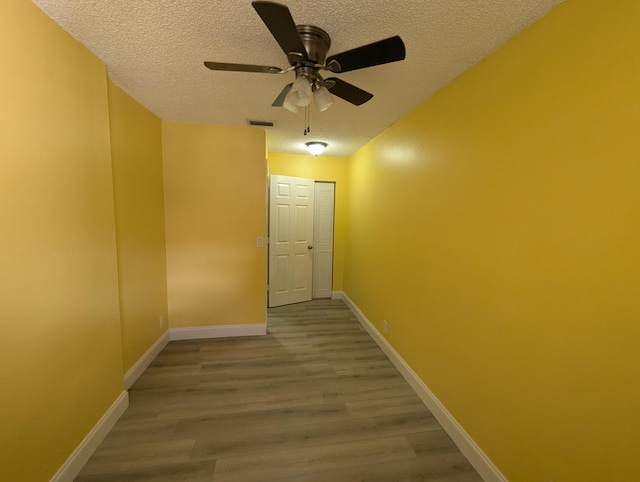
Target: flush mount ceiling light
316, 148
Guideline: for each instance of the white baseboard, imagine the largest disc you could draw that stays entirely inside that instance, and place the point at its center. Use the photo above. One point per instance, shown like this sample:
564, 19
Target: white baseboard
483, 465
145, 360
337, 295
76, 461
221, 331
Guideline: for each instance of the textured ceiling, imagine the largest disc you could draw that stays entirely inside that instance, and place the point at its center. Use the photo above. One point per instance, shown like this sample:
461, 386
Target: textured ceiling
154, 50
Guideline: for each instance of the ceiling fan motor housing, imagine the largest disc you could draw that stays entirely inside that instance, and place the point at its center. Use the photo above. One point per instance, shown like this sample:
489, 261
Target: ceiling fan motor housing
317, 43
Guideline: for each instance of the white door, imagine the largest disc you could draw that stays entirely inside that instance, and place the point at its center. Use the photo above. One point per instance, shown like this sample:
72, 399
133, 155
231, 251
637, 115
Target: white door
323, 239
290, 240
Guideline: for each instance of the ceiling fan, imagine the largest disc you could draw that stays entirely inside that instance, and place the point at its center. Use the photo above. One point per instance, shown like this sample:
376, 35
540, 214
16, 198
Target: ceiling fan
306, 47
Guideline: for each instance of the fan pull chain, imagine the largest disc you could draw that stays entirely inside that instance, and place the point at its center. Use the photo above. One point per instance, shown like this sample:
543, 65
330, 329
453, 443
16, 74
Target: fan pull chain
306, 120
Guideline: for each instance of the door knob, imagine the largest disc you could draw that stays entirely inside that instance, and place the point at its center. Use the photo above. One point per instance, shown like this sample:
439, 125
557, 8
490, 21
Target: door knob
309, 247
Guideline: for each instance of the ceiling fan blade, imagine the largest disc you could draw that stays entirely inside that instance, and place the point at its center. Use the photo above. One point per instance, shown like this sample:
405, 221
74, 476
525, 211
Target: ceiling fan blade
280, 23
280, 100
377, 53
264, 69
348, 92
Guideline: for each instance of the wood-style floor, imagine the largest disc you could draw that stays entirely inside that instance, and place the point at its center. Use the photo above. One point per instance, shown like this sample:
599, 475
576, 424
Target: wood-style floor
314, 400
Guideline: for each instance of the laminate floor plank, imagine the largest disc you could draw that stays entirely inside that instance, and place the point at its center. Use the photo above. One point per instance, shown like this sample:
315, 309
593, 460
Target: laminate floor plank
140, 431
385, 406
272, 439
318, 458
438, 468
141, 399
367, 393
223, 407
139, 456
283, 438
314, 400
279, 418
188, 472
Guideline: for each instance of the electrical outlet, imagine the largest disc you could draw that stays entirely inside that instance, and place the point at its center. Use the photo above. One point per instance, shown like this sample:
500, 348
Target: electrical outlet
161, 321
384, 326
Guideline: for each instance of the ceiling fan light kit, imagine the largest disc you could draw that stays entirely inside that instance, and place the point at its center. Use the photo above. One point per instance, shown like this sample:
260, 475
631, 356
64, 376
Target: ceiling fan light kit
306, 48
316, 148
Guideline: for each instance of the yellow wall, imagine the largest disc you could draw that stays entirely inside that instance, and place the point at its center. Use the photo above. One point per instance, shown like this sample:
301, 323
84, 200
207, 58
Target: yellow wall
136, 151
321, 168
215, 208
60, 356
497, 229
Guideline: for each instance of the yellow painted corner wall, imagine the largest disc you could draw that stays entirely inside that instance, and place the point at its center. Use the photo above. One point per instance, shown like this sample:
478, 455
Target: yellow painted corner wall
497, 229
321, 168
215, 208
60, 358
136, 152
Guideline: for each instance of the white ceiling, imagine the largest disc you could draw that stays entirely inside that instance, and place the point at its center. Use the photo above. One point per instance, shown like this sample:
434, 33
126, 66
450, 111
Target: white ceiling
154, 50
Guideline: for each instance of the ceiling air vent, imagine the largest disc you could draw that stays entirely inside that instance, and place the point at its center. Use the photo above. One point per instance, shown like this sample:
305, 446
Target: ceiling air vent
259, 123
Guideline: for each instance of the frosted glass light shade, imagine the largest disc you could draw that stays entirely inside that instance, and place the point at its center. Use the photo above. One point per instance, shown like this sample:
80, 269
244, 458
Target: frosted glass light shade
322, 98
299, 95
316, 148
289, 105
